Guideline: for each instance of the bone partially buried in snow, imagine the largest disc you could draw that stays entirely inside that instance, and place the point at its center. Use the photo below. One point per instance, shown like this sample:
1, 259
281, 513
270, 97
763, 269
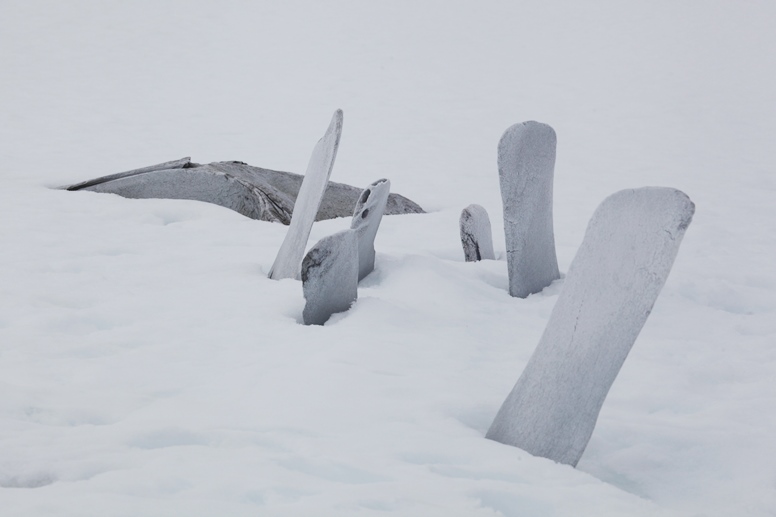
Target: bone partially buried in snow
476, 234
254, 192
624, 260
316, 178
330, 277
366, 221
526, 165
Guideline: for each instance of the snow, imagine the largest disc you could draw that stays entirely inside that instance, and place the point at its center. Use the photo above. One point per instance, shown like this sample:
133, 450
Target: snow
148, 366
612, 284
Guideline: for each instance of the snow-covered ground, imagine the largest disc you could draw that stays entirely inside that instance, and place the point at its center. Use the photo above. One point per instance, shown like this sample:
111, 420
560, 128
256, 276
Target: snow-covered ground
149, 368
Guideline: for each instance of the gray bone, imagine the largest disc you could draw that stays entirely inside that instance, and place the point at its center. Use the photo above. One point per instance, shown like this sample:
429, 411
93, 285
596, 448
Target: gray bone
526, 163
289, 258
476, 235
330, 277
183, 163
254, 192
366, 221
222, 183
628, 250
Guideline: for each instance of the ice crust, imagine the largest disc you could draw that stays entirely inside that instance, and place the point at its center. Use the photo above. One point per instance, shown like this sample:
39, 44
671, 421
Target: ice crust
627, 253
526, 163
330, 277
476, 234
366, 221
316, 178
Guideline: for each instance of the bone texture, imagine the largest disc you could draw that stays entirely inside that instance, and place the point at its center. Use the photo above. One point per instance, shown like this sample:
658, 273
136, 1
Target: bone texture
628, 250
330, 277
366, 221
526, 163
476, 234
289, 258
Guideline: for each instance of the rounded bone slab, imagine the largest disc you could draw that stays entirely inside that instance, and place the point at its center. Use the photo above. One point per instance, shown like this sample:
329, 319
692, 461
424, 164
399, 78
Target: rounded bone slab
289, 258
330, 277
476, 235
526, 164
366, 221
628, 250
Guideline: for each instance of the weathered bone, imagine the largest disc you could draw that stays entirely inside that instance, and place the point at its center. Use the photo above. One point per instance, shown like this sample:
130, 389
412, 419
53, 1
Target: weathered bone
628, 250
254, 192
366, 221
289, 258
476, 235
330, 277
526, 163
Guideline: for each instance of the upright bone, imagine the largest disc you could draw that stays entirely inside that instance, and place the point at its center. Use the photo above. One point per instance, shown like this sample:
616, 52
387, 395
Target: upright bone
254, 192
476, 235
366, 221
526, 164
289, 257
330, 277
628, 250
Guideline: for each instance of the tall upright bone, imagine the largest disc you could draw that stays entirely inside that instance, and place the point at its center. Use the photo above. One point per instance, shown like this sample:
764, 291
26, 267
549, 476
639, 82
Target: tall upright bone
526, 163
330, 277
289, 257
366, 221
628, 250
476, 235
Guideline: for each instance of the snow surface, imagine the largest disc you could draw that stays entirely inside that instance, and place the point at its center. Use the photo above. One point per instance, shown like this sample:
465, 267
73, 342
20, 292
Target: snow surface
148, 366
